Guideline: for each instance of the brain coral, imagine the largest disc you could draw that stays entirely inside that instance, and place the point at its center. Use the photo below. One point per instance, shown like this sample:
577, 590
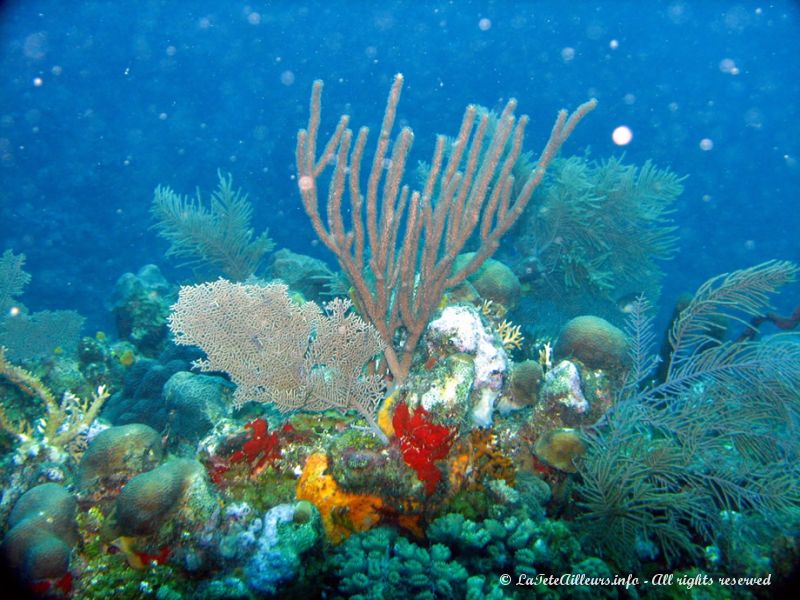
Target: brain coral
116, 455
526, 379
494, 281
43, 531
595, 342
148, 498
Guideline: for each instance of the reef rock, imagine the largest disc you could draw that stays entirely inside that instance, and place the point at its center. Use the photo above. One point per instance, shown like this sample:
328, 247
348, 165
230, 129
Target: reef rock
195, 402
465, 371
562, 402
140, 304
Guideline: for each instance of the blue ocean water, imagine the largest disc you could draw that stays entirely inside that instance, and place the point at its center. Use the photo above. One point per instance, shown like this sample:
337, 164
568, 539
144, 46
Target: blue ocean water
103, 101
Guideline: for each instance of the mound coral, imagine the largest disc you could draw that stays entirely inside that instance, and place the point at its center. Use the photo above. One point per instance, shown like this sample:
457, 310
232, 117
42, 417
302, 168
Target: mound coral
43, 531
526, 379
560, 448
595, 342
494, 281
175, 493
116, 455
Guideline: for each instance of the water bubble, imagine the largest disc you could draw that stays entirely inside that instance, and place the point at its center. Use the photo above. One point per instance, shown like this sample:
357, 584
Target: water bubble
305, 183
622, 135
728, 66
287, 78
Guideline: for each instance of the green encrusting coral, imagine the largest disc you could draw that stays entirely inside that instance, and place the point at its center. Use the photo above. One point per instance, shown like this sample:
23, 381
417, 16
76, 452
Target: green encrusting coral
465, 559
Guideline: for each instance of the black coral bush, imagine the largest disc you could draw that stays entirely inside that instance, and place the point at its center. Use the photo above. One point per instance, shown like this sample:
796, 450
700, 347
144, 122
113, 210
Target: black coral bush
217, 236
673, 461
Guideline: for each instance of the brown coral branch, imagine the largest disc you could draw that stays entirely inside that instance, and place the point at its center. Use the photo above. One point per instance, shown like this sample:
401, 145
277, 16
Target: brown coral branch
784, 323
400, 285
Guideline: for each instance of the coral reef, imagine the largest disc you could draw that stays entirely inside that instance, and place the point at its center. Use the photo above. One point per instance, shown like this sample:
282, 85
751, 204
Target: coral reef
389, 446
304, 504
140, 303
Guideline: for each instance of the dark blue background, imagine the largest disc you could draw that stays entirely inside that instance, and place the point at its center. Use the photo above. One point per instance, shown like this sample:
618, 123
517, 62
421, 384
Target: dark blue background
135, 94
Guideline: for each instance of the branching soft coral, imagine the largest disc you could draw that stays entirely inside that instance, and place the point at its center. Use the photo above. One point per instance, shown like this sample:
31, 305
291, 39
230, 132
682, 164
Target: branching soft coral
718, 436
597, 229
219, 236
63, 423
